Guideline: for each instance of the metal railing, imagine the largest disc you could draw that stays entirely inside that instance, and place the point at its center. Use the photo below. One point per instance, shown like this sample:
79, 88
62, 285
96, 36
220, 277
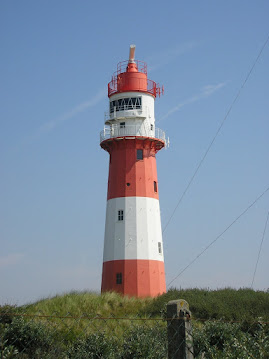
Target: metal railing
122, 66
152, 87
120, 130
118, 115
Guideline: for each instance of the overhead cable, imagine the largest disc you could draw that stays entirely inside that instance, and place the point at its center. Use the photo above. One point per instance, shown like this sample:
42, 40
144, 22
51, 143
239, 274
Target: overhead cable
218, 237
260, 249
216, 134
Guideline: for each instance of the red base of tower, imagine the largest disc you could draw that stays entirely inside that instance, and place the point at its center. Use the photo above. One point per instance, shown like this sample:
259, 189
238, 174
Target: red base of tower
138, 278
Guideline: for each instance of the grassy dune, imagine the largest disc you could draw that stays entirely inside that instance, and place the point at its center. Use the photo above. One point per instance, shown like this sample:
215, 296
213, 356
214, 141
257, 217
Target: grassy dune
92, 304
228, 304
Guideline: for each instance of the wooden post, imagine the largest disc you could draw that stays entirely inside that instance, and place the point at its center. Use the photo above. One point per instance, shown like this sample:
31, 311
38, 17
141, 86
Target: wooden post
179, 330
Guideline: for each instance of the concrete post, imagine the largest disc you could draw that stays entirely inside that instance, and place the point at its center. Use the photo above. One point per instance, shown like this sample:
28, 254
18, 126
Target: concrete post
180, 342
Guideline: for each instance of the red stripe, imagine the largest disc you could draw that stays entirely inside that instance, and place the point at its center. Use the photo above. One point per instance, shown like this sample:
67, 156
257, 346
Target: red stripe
128, 176
140, 278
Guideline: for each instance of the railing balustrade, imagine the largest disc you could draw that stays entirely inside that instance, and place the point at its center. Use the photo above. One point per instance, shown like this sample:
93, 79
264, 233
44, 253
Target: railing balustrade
120, 130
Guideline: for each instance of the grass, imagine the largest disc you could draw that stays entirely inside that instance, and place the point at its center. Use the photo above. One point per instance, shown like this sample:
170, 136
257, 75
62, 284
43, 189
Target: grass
226, 304
90, 304
87, 310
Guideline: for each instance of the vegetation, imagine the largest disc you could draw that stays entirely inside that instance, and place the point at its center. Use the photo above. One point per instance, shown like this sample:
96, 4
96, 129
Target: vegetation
218, 340
226, 304
91, 304
89, 325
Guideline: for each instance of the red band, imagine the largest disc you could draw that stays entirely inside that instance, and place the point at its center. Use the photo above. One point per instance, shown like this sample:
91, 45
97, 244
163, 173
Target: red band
130, 176
139, 278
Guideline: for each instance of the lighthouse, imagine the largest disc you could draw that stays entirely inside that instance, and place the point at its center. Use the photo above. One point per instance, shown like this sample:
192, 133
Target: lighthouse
133, 261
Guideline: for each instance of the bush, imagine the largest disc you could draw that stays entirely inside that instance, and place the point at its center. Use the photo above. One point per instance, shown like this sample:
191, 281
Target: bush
145, 342
7, 313
94, 346
8, 351
218, 340
27, 337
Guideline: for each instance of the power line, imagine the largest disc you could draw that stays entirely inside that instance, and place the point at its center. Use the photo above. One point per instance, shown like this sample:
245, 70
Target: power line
216, 134
260, 249
215, 240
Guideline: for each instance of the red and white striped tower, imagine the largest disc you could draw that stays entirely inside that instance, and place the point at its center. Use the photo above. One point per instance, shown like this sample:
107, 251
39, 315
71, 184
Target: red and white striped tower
133, 261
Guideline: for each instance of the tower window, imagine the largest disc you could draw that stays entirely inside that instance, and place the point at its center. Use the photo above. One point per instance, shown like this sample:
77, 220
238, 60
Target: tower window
120, 215
155, 186
151, 127
139, 154
160, 247
118, 278
123, 104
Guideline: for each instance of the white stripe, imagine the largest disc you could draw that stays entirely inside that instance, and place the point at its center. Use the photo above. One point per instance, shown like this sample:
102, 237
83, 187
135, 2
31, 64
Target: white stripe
138, 234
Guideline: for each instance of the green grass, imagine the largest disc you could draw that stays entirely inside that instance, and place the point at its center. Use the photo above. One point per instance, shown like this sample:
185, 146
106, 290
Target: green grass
227, 304
90, 304
81, 312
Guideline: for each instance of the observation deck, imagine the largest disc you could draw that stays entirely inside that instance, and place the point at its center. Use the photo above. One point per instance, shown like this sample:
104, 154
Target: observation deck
119, 132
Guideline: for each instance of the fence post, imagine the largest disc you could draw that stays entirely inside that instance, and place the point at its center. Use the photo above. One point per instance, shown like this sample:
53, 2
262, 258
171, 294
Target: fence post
179, 330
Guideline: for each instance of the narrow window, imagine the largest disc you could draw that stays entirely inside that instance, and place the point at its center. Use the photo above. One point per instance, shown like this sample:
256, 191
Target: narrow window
122, 124
118, 278
121, 103
151, 127
155, 186
130, 104
160, 247
120, 215
139, 154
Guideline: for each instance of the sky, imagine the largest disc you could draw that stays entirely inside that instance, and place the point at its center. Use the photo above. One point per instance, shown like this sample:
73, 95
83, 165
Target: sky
56, 60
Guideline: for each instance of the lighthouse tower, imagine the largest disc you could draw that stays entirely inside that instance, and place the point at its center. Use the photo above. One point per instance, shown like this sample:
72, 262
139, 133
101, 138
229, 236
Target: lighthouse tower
133, 262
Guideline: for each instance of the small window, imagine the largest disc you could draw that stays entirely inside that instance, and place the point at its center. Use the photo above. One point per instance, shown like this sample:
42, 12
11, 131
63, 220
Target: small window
118, 278
128, 184
139, 154
151, 127
122, 124
120, 215
160, 247
155, 186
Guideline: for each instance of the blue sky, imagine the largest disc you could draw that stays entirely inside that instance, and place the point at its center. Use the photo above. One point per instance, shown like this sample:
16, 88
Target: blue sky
56, 60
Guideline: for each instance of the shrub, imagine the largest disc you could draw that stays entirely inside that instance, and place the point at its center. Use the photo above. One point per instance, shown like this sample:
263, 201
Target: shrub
218, 340
94, 346
8, 351
28, 337
7, 313
145, 342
